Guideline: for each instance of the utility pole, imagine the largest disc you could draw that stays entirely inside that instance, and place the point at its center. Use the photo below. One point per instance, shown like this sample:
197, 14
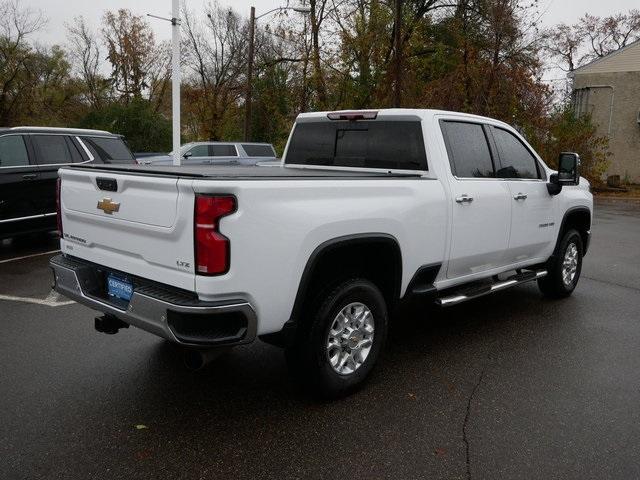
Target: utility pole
397, 90
175, 77
247, 101
175, 80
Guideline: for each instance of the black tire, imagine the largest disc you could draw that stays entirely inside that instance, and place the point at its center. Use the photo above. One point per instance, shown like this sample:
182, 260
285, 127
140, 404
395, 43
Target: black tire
554, 285
308, 359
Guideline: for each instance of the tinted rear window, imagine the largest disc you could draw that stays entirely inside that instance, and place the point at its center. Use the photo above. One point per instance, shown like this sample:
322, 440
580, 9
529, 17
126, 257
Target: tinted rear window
468, 150
258, 150
223, 151
368, 144
52, 149
108, 149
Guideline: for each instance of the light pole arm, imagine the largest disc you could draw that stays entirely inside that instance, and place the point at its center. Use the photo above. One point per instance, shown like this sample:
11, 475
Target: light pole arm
280, 9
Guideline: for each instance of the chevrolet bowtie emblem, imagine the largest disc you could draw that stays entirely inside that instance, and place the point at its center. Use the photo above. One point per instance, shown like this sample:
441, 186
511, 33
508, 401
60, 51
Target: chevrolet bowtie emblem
108, 206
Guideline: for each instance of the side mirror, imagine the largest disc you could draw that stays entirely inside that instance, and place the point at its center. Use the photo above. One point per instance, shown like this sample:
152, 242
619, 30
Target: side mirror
187, 155
569, 169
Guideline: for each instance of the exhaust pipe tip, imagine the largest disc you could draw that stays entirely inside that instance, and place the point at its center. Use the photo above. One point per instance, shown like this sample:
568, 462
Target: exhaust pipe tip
196, 360
109, 324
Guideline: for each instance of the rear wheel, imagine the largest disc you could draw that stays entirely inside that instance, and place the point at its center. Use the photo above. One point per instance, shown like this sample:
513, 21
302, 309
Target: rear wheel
564, 271
338, 344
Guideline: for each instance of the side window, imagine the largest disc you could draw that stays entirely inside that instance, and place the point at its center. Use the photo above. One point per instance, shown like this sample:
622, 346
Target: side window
516, 160
75, 153
13, 151
199, 151
253, 150
51, 149
468, 150
223, 151
109, 150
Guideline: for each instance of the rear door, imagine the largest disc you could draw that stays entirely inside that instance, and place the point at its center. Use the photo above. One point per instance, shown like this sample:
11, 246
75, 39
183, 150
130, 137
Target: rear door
481, 216
532, 227
223, 154
52, 151
18, 181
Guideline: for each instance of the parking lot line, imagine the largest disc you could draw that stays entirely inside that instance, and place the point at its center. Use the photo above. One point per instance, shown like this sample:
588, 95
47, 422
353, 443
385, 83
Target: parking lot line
52, 300
28, 256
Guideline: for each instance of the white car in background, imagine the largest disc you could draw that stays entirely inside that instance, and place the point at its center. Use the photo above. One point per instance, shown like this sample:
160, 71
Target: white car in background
216, 153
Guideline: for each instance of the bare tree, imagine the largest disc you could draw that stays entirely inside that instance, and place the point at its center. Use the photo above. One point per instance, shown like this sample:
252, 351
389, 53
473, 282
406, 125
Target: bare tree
16, 78
214, 55
605, 35
85, 52
563, 42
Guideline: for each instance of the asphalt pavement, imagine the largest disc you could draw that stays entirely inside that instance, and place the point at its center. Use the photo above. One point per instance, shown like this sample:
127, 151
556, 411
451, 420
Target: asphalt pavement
505, 387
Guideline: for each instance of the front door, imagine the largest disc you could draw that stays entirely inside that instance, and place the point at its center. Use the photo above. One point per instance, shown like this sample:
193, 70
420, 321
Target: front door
533, 208
481, 215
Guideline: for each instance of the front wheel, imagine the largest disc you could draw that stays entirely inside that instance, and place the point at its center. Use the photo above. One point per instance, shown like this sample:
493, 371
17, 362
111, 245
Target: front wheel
338, 344
564, 271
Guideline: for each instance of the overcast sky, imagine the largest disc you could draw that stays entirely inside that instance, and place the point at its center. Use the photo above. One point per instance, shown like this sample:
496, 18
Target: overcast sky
60, 11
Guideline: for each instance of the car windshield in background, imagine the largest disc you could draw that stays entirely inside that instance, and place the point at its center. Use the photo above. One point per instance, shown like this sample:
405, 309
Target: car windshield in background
258, 150
109, 150
368, 144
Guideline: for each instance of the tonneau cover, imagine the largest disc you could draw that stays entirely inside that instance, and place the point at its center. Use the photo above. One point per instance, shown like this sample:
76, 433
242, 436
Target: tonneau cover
241, 172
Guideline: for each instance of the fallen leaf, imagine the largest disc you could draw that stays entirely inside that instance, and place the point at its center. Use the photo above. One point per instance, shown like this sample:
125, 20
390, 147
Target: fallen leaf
141, 427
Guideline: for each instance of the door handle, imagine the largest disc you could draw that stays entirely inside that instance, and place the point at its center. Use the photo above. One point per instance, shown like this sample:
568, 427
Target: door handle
464, 199
30, 176
520, 196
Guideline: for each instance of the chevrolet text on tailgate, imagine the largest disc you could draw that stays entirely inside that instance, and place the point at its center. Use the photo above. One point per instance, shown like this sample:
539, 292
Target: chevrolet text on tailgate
368, 209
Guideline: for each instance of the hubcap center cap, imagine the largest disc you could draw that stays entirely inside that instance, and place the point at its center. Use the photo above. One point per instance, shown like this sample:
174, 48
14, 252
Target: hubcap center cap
354, 339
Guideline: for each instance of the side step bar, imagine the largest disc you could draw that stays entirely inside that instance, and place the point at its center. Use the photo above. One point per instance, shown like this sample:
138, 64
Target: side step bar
482, 290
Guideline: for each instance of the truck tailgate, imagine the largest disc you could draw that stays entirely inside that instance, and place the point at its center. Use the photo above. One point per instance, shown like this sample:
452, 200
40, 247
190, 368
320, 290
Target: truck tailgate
138, 224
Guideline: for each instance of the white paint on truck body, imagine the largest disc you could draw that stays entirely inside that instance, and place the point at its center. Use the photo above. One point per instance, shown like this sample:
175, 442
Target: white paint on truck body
279, 222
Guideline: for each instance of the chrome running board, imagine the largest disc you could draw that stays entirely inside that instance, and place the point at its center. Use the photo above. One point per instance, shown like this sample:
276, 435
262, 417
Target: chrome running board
467, 294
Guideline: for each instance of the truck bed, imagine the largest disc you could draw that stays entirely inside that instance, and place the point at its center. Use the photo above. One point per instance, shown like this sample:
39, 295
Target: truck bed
243, 173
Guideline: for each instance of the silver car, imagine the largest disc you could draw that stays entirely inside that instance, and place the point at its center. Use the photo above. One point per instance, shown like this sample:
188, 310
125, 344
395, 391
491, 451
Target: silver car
216, 153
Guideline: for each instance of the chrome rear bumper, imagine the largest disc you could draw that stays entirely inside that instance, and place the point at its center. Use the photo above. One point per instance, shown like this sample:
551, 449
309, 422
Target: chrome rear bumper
158, 309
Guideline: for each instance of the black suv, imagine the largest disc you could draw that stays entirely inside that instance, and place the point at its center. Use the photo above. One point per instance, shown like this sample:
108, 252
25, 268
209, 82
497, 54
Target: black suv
29, 162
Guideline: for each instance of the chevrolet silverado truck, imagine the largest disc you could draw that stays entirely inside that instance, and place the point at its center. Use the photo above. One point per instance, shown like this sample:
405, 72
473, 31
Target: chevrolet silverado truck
368, 209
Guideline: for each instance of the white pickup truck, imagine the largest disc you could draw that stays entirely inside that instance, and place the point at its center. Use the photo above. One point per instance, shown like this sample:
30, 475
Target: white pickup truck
369, 208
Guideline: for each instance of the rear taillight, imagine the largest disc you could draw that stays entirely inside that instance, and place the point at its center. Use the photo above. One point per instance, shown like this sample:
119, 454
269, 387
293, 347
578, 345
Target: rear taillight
59, 206
212, 249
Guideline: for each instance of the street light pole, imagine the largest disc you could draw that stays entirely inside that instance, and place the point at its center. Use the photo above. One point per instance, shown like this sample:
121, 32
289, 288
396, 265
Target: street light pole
252, 35
175, 81
175, 77
247, 103
397, 93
